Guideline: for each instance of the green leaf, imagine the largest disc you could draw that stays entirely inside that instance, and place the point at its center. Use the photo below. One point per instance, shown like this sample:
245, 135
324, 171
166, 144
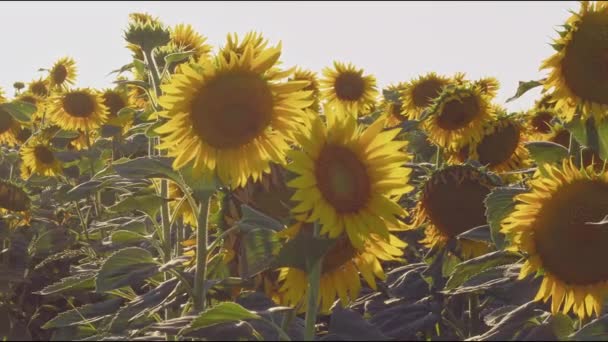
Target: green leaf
85, 314
258, 249
224, 312
108, 131
471, 267
63, 134
151, 130
149, 204
252, 219
201, 186
122, 69
578, 128
126, 237
53, 240
125, 267
302, 252
524, 87
21, 111
146, 167
84, 190
543, 152
480, 233
561, 325
82, 281
177, 57
135, 83
602, 135
596, 330
499, 203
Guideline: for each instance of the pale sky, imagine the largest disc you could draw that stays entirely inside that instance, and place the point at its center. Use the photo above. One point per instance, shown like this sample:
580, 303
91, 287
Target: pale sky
394, 41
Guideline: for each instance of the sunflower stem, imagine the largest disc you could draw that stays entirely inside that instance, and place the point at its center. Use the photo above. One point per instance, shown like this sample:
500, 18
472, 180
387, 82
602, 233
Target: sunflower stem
200, 275
96, 195
314, 282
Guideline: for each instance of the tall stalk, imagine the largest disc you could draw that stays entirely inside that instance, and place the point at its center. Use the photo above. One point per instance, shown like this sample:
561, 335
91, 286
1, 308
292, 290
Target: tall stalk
200, 275
314, 282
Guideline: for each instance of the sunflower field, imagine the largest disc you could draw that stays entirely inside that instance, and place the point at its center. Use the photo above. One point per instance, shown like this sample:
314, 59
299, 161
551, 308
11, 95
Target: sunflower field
216, 194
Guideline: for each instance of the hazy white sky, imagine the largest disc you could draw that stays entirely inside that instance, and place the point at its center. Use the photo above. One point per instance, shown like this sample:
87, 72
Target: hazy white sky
394, 41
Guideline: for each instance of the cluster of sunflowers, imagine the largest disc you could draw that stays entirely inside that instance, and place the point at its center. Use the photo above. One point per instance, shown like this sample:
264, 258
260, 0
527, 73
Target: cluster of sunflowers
332, 159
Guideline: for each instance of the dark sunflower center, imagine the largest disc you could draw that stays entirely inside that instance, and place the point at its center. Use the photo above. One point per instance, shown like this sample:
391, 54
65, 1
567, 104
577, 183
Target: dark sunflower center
569, 248
453, 200
499, 146
59, 74
13, 198
339, 254
342, 179
457, 114
114, 102
585, 63
562, 137
232, 109
40, 89
424, 93
541, 122
349, 86
6, 121
43, 154
78, 104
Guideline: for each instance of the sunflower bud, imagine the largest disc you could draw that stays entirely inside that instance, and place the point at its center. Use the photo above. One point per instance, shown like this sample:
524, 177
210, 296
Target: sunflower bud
147, 35
18, 85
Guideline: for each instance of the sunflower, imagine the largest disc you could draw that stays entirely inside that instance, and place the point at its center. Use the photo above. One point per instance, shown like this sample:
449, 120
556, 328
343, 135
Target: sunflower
63, 73
39, 87
349, 178
80, 142
115, 100
501, 148
557, 224
345, 87
189, 216
39, 157
539, 122
252, 39
457, 117
452, 202
14, 199
9, 128
419, 93
185, 38
393, 105
546, 101
307, 75
488, 86
577, 71
78, 109
231, 118
340, 270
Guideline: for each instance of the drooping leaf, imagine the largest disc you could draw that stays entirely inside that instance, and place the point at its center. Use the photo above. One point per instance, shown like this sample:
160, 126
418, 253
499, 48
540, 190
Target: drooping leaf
259, 247
524, 87
20, 110
149, 204
125, 267
302, 252
224, 312
543, 152
85, 314
147, 167
177, 57
126, 237
252, 219
499, 203
81, 281
471, 267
